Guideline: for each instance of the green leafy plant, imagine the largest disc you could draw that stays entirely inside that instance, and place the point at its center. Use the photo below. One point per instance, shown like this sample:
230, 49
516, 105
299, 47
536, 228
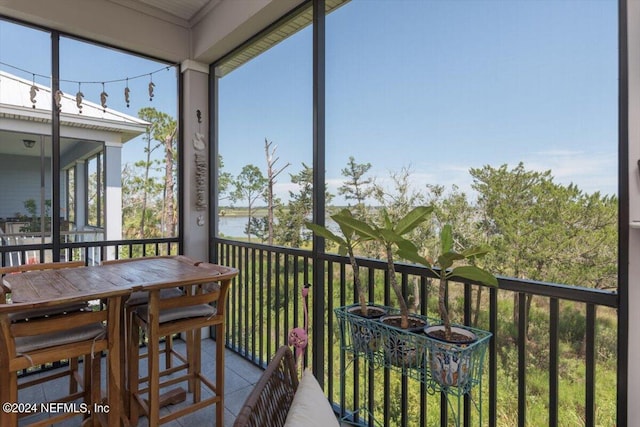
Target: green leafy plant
33, 218
390, 236
346, 245
447, 258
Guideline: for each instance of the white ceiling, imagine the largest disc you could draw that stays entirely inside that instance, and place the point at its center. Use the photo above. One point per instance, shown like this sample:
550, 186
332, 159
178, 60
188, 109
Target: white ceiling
183, 12
185, 9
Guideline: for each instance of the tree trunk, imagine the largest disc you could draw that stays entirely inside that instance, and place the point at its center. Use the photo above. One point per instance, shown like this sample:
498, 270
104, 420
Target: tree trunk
169, 206
145, 184
404, 311
477, 308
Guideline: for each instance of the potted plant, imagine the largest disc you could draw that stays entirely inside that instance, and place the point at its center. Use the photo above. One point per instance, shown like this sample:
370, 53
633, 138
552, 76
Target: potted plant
399, 350
363, 337
450, 357
346, 246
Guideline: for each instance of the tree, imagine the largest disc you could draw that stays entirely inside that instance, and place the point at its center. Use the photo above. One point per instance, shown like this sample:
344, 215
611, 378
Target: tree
249, 185
225, 181
356, 187
291, 228
163, 129
542, 230
139, 196
271, 180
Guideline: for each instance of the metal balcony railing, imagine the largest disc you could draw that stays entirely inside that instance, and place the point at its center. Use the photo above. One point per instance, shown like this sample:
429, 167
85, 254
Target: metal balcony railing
542, 333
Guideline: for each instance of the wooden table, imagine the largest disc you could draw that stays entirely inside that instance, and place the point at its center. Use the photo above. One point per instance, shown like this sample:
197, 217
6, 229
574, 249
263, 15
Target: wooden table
102, 281
113, 281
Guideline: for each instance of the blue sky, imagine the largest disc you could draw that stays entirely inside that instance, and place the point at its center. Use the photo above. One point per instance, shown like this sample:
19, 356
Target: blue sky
440, 86
437, 86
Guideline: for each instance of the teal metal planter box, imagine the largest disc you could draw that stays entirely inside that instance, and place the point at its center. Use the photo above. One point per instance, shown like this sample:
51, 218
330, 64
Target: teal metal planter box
444, 367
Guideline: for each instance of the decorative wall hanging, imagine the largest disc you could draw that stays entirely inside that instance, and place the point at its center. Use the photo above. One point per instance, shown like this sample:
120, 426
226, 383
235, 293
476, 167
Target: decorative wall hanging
103, 99
151, 86
34, 89
58, 100
126, 93
201, 182
79, 97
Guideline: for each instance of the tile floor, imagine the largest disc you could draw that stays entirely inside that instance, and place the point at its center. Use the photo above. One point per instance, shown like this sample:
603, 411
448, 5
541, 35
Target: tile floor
240, 377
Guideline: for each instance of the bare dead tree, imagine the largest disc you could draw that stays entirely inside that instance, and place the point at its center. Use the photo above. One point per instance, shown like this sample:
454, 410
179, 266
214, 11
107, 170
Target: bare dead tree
272, 173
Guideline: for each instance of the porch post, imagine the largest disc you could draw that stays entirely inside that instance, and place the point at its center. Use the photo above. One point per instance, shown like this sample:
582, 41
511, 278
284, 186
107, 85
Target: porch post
195, 150
318, 290
629, 265
113, 195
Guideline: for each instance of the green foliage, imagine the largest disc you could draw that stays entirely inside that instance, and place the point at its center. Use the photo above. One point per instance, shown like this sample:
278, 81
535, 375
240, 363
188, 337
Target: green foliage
35, 221
390, 236
249, 186
356, 187
346, 246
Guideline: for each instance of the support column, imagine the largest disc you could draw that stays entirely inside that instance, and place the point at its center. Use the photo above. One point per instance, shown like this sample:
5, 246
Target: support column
629, 284
195, 146
113, 195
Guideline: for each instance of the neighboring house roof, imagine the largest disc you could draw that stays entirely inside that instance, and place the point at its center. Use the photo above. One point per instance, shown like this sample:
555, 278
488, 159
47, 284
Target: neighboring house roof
15, 103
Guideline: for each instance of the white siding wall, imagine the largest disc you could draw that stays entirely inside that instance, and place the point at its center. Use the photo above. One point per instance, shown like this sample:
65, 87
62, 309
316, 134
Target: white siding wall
19, 181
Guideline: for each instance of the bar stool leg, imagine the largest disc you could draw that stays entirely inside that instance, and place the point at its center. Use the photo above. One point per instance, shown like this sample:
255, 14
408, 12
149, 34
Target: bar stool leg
133, 372
168, 352
73, 383
190, 342
153, 360
196, 360
10, 418
220, 373
96, 389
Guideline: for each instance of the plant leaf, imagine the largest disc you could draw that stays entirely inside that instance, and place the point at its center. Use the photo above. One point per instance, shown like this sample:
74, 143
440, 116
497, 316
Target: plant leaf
446, 259
409, 252
411, 220
476, 251
324, 232
471, 272
406, 246
390, 235
446, 239
361, 228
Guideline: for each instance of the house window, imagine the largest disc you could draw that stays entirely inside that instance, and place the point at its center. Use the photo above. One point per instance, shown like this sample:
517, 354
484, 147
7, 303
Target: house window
70, 191
95, 191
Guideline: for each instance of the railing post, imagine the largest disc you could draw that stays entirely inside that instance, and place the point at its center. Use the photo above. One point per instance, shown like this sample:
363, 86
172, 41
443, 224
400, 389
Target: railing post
318, 288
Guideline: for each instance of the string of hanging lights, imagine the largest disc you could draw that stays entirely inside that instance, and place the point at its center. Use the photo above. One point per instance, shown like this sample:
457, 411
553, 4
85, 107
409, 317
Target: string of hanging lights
33, 90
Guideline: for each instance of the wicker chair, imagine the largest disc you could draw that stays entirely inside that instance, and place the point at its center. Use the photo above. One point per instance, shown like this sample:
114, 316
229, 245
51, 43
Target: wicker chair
270, 400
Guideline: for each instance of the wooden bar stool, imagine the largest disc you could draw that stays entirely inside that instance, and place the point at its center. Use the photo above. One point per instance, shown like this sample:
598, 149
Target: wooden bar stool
56, 337
27, 315
140, 299
201, 306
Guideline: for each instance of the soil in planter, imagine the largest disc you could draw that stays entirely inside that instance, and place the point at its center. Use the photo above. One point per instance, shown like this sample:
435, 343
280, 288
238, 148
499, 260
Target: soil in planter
372, 312
455, 338
415, 325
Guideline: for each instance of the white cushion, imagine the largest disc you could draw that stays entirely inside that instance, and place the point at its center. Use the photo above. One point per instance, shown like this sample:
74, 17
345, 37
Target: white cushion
310, 407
